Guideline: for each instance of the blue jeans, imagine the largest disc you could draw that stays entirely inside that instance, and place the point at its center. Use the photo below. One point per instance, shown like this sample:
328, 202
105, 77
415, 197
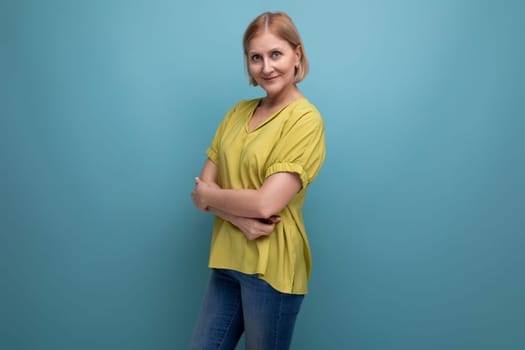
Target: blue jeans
235, 303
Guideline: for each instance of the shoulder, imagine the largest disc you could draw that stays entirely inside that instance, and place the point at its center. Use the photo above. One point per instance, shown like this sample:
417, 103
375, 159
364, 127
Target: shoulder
243, 105
303, 110
240, 110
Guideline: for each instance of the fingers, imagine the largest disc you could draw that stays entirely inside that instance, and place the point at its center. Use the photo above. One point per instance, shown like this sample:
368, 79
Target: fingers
197, 198
275, 219
257, 228
271, 220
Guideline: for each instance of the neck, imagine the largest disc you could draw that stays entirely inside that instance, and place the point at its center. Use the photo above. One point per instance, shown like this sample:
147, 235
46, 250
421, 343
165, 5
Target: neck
283, 98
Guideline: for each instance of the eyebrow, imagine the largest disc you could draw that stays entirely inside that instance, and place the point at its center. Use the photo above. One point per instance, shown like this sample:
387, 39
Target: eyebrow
277, 48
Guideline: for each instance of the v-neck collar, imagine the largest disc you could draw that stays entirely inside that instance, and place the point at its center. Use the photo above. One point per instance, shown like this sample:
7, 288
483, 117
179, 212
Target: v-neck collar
271, 117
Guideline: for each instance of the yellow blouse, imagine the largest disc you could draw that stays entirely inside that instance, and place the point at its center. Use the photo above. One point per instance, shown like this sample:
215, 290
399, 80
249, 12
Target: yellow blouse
291, 140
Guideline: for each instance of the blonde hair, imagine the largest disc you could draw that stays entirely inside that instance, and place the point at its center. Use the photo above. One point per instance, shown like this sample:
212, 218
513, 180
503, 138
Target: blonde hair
281, 25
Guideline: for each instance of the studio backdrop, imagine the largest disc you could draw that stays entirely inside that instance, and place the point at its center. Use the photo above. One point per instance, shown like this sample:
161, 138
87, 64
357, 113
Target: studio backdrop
416, 221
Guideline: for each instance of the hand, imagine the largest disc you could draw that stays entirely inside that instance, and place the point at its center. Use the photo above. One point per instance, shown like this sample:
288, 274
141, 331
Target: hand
271, 220
252, 228
256, 228
198, 194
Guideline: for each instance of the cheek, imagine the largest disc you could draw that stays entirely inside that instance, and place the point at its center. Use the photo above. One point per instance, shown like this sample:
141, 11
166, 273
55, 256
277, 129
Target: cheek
252, 68
288, 66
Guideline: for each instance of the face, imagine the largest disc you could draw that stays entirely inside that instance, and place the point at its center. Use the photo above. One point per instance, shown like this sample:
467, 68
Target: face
271, 62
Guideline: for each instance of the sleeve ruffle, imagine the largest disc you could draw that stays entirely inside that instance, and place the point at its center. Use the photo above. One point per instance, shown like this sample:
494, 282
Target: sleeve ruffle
289, 168
212, 154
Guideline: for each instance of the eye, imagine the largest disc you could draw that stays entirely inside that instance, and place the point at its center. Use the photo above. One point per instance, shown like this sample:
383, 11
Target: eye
276, 54
255, 57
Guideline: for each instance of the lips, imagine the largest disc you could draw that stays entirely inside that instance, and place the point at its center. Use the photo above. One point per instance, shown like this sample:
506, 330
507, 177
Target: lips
270, 78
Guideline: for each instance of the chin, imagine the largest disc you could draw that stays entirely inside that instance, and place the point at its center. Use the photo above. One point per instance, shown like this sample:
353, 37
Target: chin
271, 89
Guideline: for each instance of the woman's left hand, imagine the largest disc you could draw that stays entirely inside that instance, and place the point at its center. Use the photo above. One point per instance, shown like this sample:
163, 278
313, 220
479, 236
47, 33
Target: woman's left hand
198, 195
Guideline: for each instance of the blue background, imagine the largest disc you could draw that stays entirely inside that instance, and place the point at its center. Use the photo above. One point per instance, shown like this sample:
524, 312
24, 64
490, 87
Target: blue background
416, 221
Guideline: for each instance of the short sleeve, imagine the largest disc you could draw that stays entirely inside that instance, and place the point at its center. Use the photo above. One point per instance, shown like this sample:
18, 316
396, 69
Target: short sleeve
213, 151
301, 148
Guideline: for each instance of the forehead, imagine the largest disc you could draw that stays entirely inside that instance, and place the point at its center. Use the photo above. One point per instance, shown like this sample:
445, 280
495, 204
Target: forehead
267, 41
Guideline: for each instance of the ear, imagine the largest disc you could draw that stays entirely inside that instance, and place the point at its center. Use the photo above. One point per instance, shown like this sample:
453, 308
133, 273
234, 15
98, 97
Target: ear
298, 54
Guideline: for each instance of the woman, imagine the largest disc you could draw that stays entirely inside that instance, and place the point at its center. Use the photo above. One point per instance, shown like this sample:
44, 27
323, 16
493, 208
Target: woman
264, 155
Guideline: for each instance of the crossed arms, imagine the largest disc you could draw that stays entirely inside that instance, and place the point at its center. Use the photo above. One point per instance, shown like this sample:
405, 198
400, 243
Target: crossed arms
244, 208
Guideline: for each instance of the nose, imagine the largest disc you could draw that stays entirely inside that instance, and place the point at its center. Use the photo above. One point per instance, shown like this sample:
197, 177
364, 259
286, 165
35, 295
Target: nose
267, 67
